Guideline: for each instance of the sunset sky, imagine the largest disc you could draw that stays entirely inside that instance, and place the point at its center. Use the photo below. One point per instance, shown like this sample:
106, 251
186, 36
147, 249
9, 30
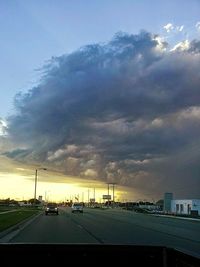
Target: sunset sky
17, 180
98, 92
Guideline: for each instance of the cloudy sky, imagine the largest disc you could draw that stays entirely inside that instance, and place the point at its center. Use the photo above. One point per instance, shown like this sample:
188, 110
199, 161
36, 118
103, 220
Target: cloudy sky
102, 91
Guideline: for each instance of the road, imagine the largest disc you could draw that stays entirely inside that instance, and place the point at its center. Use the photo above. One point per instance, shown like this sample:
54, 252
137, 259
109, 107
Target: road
112, 226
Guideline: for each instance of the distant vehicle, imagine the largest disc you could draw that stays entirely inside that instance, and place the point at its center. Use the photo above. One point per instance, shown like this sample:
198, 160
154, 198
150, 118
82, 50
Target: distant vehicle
51, 208
97, 206
77, 207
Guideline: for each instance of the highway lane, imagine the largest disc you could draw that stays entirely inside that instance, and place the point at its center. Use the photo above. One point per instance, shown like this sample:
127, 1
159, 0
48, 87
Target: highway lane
112, 226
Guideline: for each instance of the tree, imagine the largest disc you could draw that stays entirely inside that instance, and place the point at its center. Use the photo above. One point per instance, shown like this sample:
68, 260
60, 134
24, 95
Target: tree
160, 202
33, 201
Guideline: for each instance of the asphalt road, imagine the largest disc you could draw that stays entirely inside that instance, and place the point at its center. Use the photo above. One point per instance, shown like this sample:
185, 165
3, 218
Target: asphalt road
112, 227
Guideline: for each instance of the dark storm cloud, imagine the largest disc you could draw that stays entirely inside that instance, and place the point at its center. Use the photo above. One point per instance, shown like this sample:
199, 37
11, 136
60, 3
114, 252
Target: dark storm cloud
118, 111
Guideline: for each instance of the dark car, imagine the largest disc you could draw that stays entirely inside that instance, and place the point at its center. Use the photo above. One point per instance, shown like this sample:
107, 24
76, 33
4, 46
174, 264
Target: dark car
51, 208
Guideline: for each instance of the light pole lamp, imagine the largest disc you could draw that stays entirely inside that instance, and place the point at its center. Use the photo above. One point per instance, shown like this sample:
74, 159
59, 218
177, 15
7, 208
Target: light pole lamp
36, 174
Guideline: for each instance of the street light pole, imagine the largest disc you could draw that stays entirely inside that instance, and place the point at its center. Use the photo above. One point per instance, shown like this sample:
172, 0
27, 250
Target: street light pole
35, 186
36, 177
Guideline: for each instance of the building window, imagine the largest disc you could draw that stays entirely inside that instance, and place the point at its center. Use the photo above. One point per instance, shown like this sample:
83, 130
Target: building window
181, 208
189, 208
177, 207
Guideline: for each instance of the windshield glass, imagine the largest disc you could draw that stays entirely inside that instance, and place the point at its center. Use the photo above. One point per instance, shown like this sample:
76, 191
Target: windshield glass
51, 205
100, 106
77, 204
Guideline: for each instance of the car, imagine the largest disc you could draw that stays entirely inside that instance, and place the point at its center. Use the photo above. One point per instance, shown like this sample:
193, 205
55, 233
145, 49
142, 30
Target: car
51, 208
77, 207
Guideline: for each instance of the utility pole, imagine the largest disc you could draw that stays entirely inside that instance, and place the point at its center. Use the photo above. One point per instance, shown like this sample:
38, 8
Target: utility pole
113, 186
88, 196
94, 194
108, 189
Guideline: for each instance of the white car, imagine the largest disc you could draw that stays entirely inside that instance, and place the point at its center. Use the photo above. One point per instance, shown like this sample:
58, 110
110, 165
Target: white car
77, 207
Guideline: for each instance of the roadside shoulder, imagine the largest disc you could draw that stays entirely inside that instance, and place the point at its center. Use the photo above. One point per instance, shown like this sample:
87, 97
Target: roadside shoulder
8, 234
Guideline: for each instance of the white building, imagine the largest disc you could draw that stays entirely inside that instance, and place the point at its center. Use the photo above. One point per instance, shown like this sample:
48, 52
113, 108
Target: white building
185, 206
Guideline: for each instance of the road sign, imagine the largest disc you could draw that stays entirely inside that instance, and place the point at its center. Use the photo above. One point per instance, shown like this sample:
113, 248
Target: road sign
108, 197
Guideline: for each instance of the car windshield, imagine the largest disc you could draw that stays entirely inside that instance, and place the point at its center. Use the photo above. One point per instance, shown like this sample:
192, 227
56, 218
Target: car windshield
51, 205
77, 205
100, 109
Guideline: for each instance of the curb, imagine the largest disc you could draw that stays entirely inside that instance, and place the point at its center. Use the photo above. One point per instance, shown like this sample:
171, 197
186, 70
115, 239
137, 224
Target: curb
10, 232
176, 217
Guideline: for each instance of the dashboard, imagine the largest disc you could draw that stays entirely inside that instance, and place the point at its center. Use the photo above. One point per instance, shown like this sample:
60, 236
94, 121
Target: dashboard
94, 254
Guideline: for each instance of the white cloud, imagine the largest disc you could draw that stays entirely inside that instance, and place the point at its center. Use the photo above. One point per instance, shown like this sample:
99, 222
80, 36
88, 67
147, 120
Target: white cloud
3, 127
198, 26
137, 162
157, 122
161, 44
180, 28
190, 113
181, 46
69, 149
180, 120
168, 27
90, 163
90, 173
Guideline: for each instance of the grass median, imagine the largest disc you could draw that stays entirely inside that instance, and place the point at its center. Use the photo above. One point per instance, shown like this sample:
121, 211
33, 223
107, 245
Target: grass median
9, 219
2, 209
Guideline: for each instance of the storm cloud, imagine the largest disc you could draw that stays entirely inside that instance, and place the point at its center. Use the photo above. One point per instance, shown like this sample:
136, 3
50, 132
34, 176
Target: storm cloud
127, 111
